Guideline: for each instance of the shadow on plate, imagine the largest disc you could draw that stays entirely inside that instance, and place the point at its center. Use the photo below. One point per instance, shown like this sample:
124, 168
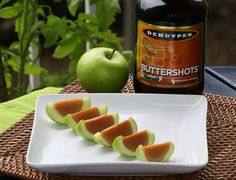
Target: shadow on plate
87, 143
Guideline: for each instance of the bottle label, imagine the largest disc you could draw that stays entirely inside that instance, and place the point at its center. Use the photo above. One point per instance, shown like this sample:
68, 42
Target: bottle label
169, 57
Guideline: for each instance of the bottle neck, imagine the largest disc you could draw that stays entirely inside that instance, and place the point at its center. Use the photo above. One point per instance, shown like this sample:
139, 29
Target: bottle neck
172, 12
146, 4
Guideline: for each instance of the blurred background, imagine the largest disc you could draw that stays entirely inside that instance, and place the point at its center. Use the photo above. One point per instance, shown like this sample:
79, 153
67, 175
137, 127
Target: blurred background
221, 38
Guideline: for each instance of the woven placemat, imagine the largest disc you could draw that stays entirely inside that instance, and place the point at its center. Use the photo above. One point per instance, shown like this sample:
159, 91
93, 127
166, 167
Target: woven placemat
221, 131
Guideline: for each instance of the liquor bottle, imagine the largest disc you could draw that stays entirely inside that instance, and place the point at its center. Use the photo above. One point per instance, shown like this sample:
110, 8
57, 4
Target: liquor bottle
170, 48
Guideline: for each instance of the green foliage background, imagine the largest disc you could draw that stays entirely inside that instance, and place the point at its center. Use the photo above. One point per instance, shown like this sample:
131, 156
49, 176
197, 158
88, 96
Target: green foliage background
69, 37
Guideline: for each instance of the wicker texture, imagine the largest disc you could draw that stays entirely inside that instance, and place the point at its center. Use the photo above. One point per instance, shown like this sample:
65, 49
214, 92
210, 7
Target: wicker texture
221, 130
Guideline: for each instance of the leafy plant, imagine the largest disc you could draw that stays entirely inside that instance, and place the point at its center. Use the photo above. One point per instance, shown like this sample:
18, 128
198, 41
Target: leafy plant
211, 2
69, 36
17, 55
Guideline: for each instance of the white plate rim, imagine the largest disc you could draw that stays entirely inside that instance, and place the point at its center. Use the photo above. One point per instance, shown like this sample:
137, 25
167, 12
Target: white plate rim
164, 164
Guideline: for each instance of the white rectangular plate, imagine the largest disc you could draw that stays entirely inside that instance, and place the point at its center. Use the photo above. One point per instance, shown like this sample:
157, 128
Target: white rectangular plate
178, 118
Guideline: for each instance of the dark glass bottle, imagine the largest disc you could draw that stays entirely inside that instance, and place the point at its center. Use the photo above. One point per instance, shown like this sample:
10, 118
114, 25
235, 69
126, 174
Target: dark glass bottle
170, 54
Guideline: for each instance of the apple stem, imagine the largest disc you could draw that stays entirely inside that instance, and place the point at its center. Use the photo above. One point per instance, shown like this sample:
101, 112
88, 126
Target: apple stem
113, 52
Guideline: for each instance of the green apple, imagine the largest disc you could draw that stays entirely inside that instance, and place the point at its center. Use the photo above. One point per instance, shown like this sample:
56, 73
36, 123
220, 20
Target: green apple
115, 131
72, 123
55, 115
82, 130
102, 70
159, 152
144, 138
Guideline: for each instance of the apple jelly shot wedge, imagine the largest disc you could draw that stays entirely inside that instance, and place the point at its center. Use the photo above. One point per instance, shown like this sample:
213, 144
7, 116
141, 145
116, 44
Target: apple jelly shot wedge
72, 120
127, 145
57, 111
155, 153
87, 128
124, 128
